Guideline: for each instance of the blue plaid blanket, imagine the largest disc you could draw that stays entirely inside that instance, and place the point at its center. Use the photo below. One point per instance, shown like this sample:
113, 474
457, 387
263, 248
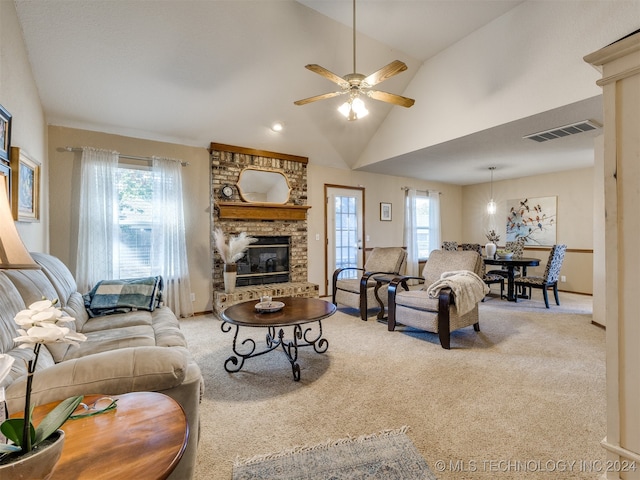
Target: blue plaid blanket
121, 296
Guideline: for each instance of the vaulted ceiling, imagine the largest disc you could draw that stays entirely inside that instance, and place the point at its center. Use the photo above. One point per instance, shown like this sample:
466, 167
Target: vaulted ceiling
193, 72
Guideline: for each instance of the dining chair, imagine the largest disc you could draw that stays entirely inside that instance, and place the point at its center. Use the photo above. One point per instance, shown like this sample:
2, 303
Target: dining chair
517, 248
359, 290
488, 277
550, 277
450, 246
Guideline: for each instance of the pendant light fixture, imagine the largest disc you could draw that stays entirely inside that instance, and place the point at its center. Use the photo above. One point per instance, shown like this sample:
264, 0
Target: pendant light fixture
491, 206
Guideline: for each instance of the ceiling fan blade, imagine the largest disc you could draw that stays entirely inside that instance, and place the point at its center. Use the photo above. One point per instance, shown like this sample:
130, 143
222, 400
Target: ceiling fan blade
304, 101
391, 98
327, 74
385, 72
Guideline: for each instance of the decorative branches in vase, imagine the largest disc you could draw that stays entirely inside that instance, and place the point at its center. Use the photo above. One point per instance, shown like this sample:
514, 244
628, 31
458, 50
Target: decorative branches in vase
231, 250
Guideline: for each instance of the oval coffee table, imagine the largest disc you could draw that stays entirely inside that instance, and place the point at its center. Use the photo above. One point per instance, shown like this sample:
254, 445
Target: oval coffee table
296, 312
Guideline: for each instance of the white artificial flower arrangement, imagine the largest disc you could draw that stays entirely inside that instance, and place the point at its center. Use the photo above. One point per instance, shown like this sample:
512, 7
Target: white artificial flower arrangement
233, 250
42, 323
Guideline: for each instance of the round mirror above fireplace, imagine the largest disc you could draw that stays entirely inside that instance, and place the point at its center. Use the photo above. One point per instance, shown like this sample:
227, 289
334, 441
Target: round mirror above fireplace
256, 185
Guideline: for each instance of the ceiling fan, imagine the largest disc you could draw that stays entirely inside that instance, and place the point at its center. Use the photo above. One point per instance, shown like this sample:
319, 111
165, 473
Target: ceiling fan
357, 85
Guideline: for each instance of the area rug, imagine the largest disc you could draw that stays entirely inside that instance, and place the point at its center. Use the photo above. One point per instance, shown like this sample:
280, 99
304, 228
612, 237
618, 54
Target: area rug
387, 455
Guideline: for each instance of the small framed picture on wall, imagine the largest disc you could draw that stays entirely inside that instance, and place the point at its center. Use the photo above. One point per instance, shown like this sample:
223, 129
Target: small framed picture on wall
5, 134
385, 212
25, 197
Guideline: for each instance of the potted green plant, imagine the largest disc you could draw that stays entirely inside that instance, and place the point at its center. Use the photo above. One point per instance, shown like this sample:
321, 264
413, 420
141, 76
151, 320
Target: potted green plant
34, 451
231, 251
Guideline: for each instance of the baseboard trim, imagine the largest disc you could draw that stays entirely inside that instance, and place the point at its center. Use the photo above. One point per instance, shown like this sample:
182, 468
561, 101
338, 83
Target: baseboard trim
620, 451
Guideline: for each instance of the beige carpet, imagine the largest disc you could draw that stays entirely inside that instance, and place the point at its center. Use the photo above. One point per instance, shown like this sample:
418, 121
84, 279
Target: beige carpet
524, 398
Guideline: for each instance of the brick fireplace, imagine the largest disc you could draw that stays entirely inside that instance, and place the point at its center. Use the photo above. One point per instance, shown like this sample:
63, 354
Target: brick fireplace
267, 221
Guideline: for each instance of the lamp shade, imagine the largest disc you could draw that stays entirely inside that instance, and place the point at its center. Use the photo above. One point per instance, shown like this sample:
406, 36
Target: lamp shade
13, 253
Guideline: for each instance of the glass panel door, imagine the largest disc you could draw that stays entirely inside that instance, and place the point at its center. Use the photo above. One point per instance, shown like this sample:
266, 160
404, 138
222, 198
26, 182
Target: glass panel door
344, 230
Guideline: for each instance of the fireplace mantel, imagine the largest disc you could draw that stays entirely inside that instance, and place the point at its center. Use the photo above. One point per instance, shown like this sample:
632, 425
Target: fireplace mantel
261, 211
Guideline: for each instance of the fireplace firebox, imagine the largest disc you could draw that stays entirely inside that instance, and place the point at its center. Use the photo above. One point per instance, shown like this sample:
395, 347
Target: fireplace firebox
265, 261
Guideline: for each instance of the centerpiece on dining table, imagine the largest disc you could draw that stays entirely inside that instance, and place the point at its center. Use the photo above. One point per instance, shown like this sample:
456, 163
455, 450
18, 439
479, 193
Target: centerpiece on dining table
491, 247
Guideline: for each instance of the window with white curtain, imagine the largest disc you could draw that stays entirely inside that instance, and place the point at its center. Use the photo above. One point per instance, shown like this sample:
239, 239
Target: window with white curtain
132, 224
421, 226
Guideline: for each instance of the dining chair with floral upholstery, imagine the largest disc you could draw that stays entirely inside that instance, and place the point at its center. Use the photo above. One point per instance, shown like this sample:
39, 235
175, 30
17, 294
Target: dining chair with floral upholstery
517, 248
550, 277
450, 246
488, 277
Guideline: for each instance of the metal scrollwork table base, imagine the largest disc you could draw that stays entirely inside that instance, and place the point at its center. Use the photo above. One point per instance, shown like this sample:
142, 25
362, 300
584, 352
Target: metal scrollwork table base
296, 313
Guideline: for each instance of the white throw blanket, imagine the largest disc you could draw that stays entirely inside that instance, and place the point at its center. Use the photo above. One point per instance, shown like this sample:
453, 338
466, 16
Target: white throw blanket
468, 289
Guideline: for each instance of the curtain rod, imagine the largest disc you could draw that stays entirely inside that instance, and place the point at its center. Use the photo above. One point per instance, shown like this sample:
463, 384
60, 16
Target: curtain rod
130, 157
419, 190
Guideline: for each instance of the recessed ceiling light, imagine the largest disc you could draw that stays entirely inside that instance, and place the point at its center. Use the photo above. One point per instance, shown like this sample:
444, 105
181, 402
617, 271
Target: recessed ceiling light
277, 126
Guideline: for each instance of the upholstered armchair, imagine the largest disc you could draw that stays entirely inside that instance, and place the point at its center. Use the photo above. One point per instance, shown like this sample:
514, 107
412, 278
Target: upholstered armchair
445, 313
359, 292
550, 277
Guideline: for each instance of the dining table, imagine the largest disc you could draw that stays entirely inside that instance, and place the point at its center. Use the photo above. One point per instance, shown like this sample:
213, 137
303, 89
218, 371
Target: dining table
511, 264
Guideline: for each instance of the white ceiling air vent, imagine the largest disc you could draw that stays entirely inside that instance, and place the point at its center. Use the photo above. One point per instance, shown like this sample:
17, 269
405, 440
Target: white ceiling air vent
564, 131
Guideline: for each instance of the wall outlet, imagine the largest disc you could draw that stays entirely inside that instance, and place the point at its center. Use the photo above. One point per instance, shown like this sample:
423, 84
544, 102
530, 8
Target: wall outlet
317, 236
193, 297
563, 278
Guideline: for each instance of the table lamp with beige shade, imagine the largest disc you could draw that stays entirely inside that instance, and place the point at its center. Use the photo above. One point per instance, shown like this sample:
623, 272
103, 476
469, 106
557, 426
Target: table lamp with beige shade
13, 253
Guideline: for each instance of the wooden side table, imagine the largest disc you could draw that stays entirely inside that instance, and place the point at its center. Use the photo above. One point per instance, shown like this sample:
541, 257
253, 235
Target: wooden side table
143, 437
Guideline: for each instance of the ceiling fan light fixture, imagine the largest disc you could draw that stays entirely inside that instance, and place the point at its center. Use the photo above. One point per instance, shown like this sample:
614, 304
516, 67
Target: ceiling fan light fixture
353, 109
355, 83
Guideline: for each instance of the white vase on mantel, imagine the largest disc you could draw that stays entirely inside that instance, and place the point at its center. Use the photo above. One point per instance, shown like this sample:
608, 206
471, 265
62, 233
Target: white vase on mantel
230, 273
490, 249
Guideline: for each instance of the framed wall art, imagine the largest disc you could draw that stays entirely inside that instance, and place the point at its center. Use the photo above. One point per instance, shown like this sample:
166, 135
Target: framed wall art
5, 135
535, 219
25, 196
5, 176
385, 212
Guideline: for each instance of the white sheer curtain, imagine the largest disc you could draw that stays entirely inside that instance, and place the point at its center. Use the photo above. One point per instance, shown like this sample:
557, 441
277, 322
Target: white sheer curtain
434, 220
411, 233
97, 231
411, 227
168, 247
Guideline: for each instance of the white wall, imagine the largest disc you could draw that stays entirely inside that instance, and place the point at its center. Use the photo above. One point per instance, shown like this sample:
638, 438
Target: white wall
499, 73
65, 180
575, 218
378, 188
19, 95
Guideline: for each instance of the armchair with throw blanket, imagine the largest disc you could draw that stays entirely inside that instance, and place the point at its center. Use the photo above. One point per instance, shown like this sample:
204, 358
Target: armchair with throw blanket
359, 292
447, 301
